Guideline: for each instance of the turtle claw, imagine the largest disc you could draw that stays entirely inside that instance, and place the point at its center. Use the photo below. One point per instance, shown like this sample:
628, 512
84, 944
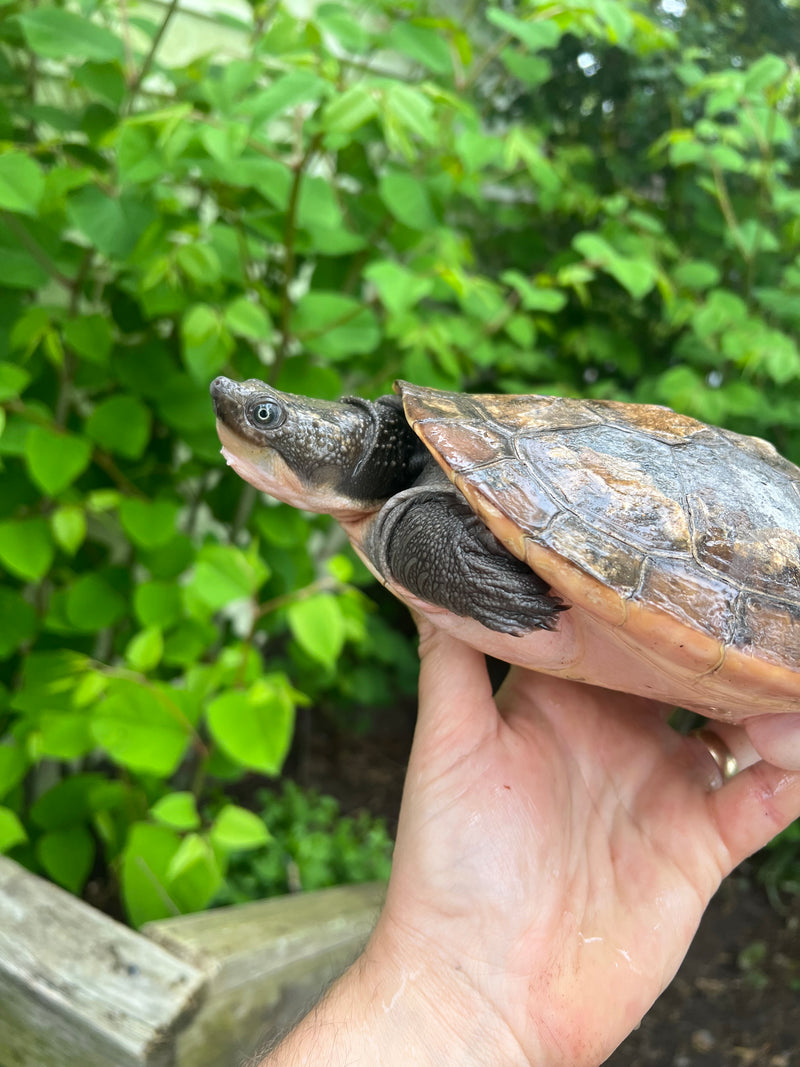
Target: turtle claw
429, 540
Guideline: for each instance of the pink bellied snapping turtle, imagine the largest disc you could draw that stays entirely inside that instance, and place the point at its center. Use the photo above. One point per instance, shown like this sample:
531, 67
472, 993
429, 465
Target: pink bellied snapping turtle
619, 544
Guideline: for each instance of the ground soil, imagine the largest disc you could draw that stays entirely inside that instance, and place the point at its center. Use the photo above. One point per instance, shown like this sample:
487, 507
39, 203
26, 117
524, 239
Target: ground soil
735, 1001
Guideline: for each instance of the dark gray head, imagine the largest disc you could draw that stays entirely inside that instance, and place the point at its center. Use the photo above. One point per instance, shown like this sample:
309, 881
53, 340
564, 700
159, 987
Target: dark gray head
341, 457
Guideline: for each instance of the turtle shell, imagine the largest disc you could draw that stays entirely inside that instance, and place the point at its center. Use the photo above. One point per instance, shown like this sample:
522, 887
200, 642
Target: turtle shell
685, 537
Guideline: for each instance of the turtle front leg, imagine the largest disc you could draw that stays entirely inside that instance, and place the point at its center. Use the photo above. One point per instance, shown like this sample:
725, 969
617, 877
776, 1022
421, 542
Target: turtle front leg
429, 540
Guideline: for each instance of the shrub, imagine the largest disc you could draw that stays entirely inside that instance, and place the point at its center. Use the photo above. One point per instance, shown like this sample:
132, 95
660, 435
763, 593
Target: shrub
574, 197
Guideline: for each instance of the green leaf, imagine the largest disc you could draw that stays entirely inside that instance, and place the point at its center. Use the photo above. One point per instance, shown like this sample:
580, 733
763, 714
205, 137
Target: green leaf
400, 289
206, 342
67, 856
76, 801
145, 649
121, 424
535, 34
254, 726
696, 274
532, 297
21, 183
13, 381
149, 523
13, 767
142, 727
347, 111
755, 238
764, 72
188, 641
113, 223
638, 276
246, 319
145, 862
54, 459
17, 622
63, 735
317, 625
406, 198
193, 874
57, 34
12, 832
406, 110
26, 548
317, 206
92, 604
49, 680
158, 604
423, 44
200, 262
68, 524
286, 92
335, 326
224, 574
178, 810
103, 80
236, 828
530, 70
339, 22
89, 336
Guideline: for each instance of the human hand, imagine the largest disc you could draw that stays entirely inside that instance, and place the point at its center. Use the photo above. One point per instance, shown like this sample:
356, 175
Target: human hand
556, 850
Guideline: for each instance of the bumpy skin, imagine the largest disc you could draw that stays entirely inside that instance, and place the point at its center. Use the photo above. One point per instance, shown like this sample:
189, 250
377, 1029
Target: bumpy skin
430, 541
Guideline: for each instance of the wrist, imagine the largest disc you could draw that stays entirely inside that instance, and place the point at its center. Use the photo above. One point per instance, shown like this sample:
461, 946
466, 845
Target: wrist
397, 1006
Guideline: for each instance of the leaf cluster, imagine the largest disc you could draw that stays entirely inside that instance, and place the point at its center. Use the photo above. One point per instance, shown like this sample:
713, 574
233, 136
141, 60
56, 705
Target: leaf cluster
312, 845
566, 197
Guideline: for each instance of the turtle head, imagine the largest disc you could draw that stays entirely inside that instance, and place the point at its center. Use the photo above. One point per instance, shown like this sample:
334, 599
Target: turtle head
344, 457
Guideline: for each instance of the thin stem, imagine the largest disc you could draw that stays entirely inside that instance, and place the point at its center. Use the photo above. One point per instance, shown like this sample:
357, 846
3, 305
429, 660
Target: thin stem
289, 234
36, 251
126, 34
726, 207
488, 57
148, 59
322, 585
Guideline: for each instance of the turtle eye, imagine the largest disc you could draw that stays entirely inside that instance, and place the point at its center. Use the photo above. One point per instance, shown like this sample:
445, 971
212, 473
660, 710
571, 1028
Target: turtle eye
266, 414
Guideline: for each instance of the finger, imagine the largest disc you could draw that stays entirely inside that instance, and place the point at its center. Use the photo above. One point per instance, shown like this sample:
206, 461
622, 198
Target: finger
455, 695
777, 739
754, 806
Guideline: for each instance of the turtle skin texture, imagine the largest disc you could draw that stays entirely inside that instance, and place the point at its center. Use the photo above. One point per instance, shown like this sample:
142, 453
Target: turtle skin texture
682, 537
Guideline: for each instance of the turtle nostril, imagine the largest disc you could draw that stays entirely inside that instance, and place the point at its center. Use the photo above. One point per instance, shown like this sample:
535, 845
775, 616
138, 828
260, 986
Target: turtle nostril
218, 386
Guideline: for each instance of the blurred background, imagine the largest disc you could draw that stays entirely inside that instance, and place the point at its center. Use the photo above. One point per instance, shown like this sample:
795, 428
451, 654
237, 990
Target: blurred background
592, 198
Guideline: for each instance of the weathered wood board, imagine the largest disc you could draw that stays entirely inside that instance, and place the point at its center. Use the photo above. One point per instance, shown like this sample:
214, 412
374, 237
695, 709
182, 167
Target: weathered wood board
78, 989
267, 962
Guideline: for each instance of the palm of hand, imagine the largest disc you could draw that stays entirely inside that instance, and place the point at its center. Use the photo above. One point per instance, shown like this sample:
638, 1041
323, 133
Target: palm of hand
559, 847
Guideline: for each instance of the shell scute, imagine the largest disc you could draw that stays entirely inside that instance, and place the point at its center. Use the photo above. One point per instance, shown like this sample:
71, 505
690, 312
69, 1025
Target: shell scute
610, 487
509, 487
606, 558
689, 595
769, 628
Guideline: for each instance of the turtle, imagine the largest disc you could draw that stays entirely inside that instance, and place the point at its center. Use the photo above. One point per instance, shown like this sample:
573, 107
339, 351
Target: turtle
624, 545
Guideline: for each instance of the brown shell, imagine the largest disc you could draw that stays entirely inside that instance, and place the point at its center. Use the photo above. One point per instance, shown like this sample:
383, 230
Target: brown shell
685, 535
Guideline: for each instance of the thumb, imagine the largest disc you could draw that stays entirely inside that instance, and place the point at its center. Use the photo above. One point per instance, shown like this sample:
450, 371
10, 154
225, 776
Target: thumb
455, 694
776, 738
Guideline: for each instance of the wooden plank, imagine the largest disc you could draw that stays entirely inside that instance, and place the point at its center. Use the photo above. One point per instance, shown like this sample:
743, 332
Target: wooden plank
78, 989
267, 962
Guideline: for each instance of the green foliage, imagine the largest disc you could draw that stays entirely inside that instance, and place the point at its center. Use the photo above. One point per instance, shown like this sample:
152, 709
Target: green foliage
779, 865
577, 198
311, 845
